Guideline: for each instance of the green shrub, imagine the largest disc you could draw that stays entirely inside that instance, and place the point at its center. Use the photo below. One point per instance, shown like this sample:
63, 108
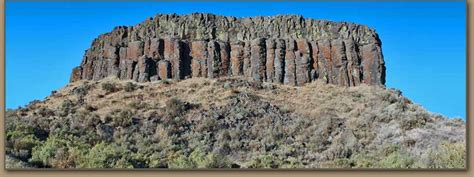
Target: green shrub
121, 118
130, 87
181, 162
449, 156
66, 107
175, 107
157, 160
292, 162
341, 163
20, 136
59, 152
21, 144
199, 159
364, 160
265, 161
81, 90
105, 155
109, 87
138, 105
397, 160
209, 160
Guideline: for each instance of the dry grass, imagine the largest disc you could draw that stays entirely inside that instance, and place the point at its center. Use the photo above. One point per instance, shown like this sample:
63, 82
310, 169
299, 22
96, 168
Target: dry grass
252, 124
311, 100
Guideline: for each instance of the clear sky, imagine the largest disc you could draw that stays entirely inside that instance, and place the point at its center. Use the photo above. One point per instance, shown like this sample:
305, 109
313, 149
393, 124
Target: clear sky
424, 44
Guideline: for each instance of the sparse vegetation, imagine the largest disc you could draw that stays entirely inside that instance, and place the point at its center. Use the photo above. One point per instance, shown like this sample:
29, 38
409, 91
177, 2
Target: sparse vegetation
130, 87
229, 123
109, 87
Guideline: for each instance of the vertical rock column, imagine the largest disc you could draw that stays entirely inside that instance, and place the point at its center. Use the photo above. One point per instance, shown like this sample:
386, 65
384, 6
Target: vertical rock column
270, 65
177, 53
213, 60
257, 59
155, 49
290, 65
86, 66
279, 63
324, 60
246, 66
199, 56
372, 64
180, 60
146, 68
237, 58
302, 61
353, 65
224, 69
339, 70
134, 52
164, 69
111, 55
76, 74
315, 60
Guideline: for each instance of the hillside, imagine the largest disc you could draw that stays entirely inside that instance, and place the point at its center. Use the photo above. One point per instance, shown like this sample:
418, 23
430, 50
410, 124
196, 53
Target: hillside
229, 122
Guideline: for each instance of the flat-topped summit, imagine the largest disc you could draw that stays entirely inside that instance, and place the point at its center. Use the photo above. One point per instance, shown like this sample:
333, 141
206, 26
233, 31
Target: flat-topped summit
286, 49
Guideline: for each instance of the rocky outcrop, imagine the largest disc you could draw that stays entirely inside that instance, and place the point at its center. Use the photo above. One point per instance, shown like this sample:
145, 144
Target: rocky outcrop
286, 49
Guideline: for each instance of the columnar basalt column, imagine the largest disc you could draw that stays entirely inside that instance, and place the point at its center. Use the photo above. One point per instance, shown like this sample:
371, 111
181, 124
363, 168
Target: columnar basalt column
199, 56
258, 59
280, 53
237, 58
270, 65
290, 65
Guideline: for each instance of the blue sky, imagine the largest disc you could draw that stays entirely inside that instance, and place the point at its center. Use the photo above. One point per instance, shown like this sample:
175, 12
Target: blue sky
424, 43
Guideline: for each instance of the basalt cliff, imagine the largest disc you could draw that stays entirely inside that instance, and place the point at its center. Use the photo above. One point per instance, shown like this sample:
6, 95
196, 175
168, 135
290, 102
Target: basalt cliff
286, 49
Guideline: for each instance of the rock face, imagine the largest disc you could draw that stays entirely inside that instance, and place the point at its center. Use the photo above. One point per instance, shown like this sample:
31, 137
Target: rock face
286, 49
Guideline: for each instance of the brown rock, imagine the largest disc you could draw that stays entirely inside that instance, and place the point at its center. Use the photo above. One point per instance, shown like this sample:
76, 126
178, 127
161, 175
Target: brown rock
123, 53
155, 49
110, 52
279, 62
130, 68
315, 60
135, 73
258, 59
246, 64
199, 58
76, 74
290, 65
339, 60
213, 60
100, 69
135, 50
146, 69
164, 69
270, 65
372, 64
353, 65
224, 69
168, 48
237, 58
325, 61
302, 62
180, 60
